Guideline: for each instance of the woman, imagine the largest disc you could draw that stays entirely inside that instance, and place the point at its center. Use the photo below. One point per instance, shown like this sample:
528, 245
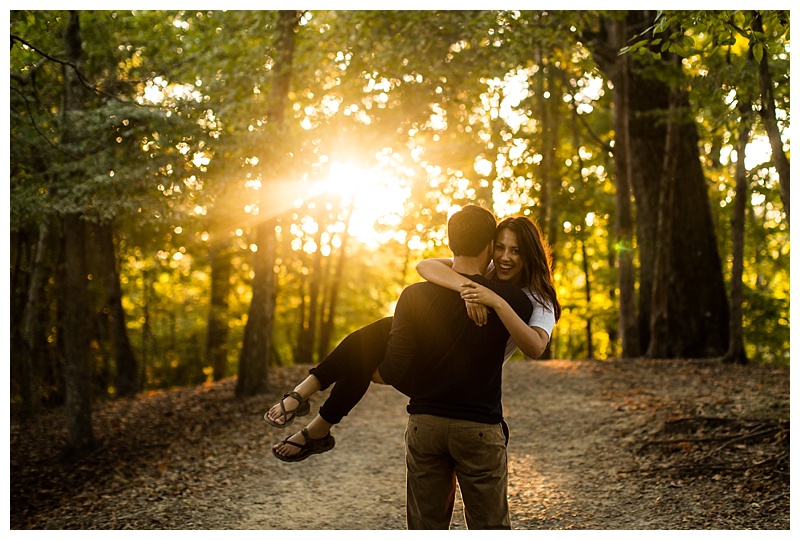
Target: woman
520, 257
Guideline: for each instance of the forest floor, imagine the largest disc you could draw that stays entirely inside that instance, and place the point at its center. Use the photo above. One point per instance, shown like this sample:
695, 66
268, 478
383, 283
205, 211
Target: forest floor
637, 444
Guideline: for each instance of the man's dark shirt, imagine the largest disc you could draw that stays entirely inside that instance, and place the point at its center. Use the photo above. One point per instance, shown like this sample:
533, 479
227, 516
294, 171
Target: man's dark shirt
442, 360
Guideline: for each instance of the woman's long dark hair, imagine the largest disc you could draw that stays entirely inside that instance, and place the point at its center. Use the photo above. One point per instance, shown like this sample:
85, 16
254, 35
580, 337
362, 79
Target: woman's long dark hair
537, 261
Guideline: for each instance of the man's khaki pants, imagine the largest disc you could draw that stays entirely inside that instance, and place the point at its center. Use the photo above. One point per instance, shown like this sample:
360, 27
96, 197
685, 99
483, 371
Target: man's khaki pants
440, 451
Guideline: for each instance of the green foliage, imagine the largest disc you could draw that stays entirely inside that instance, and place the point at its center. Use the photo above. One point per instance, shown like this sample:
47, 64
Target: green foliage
501, 108
166, 303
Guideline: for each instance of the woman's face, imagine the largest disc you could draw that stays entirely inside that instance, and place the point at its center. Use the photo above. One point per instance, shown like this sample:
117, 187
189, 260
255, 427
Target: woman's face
506, 257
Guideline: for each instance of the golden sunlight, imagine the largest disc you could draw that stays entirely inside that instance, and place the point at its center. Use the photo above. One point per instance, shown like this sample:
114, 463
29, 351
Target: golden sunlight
376, 198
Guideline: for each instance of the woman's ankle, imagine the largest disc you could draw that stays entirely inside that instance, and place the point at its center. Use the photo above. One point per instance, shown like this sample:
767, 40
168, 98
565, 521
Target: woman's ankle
318, 428
308, 387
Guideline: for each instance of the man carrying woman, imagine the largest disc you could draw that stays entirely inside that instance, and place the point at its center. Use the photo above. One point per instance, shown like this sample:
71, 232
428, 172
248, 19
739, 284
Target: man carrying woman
520, 258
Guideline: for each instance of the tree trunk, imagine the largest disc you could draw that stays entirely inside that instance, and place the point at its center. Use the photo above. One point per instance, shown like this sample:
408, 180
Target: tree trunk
589, 337
34, 321
147, 336
257, 340
326, 332
315, 278
698, 318
626, 273
551, 177
612, 326
549, 169
544, 189
80, 436
126, 379
217, 333
779, 158
660, 339
301, 321
736, 353
257, 343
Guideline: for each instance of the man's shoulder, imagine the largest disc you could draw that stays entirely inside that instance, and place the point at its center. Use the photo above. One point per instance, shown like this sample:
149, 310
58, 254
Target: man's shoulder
515, 296
421, 288
498, 286
422, 285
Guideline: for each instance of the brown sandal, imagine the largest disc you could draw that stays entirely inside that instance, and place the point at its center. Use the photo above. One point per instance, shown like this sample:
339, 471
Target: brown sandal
288, 416
311, 447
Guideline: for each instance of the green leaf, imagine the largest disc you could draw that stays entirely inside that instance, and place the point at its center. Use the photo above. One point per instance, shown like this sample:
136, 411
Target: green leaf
678, 49
758, 52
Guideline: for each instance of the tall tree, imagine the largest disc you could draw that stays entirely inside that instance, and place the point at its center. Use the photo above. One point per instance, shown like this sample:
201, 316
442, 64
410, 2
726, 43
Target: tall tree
126, 380
766, 32
80, 435
768, 108
308, 331
736, 352
588, 292
626, 274
33, 344
257, 342
723, 45
332, 298
660, 339
220, 254
698, 319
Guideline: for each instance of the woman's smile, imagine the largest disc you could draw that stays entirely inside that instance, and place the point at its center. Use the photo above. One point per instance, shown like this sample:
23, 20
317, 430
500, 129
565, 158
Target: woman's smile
507, 260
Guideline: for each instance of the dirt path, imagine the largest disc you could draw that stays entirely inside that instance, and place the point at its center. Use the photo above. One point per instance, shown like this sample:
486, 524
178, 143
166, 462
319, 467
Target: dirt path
573, 428
576, 457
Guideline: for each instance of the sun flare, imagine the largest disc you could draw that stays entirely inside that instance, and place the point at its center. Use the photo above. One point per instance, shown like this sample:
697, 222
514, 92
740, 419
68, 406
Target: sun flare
375, 197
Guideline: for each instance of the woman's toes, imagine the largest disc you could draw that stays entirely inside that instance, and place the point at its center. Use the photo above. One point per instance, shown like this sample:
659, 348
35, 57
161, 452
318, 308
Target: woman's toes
275, 416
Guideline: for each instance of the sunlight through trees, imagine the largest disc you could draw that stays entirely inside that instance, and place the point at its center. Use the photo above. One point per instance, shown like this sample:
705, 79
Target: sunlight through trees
306, 177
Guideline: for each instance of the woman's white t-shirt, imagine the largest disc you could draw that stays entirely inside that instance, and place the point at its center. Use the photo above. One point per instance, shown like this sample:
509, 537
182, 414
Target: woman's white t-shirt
541, 317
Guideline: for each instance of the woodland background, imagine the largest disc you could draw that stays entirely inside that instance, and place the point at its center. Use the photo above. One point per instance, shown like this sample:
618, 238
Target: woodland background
200, 195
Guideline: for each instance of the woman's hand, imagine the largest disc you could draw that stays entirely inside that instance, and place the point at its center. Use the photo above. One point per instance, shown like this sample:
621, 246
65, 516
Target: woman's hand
531, 340
440, 271
475, 294
478, 313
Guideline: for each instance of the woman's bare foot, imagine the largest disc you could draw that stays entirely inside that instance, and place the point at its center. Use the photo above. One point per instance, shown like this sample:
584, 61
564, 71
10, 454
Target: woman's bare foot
317, 429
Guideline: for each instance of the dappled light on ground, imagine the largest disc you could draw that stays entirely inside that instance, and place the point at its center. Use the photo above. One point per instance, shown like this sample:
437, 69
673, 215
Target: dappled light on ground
594, 445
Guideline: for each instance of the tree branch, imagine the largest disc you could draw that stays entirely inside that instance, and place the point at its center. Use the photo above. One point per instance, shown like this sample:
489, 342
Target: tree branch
83, 80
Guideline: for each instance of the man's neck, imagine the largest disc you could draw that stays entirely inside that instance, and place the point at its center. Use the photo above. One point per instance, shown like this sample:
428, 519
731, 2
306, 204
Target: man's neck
469, 265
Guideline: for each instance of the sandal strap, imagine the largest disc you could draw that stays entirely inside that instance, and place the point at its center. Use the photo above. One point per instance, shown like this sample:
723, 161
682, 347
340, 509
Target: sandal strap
293, 395
306, 438
303, 408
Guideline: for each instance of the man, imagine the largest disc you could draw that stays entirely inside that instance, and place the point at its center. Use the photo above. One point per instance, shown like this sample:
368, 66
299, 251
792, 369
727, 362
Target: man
451, 369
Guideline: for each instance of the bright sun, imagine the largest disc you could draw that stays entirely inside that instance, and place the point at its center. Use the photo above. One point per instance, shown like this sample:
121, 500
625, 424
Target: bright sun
375, 196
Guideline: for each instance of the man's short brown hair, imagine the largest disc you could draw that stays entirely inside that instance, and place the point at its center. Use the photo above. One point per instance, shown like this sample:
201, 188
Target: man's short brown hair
470, 230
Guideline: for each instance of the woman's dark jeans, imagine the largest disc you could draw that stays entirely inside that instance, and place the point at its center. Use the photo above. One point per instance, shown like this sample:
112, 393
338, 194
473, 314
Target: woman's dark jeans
350, 366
